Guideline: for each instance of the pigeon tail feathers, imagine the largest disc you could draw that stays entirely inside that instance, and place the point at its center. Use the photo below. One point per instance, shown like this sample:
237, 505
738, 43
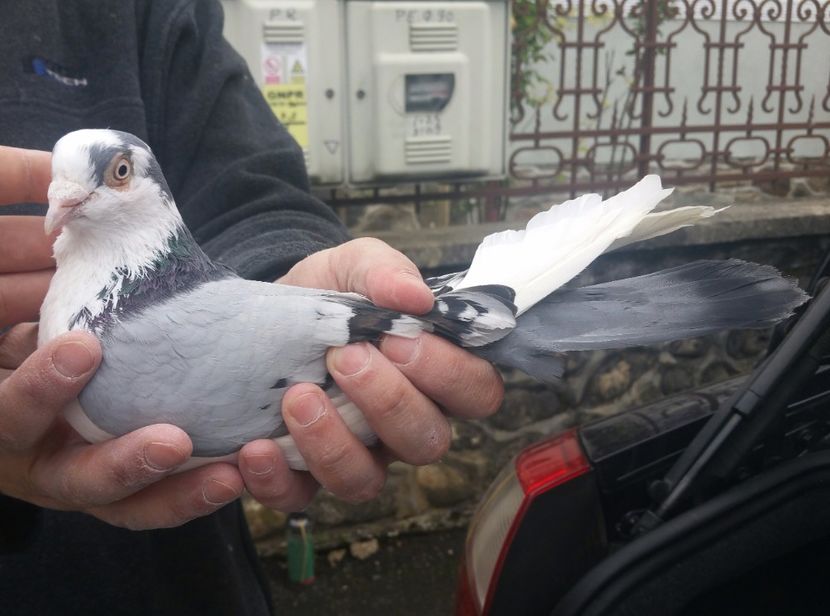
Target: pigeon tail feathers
663, 223
558, 244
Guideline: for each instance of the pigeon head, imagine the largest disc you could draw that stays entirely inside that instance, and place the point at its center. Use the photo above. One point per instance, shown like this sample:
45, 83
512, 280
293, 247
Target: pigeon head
106, 180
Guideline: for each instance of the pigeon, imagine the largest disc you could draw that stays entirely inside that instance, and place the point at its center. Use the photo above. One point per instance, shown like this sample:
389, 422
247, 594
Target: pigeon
186, 341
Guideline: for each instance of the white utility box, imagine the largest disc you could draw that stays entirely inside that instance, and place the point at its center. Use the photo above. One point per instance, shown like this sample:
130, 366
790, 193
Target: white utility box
294, 51
383, 91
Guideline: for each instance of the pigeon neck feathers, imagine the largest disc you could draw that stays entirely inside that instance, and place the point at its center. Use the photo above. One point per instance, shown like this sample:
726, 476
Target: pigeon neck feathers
181, 268
86, 298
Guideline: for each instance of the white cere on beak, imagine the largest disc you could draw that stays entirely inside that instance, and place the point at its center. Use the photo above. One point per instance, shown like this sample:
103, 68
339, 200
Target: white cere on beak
64, 197
63, 193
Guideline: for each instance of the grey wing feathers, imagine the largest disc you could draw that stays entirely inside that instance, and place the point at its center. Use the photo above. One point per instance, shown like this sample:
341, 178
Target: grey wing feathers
470, 317
475, 316
447, 282
691, 300
215, 362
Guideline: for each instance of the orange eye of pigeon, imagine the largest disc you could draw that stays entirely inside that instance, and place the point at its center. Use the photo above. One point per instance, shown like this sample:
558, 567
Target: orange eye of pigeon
121, 170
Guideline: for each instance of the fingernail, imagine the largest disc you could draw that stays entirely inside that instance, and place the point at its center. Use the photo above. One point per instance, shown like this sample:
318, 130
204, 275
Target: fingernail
72, 359
401, 350
218, 493
351, 359
307, 409
259, 464
163, 456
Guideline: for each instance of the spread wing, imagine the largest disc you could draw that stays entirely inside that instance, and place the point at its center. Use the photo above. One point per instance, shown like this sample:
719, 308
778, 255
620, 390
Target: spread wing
215, 361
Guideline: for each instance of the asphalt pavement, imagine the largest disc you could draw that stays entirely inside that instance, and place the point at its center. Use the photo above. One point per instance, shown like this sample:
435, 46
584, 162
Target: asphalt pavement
410, 575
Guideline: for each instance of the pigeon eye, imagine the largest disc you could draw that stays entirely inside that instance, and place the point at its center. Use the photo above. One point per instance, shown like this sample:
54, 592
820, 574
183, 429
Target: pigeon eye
121, 170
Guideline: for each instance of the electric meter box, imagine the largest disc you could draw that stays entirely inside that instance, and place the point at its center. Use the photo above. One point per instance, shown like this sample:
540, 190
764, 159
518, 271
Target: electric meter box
293, 50
377, 92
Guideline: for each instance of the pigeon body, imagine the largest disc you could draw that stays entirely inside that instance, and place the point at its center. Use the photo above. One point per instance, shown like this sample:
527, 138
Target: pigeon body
186, 341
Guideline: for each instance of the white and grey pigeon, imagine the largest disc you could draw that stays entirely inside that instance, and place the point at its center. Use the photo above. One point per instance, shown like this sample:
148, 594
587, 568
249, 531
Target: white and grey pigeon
186, 341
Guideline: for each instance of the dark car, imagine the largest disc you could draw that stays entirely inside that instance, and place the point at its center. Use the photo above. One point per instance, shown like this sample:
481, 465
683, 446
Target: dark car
713, 502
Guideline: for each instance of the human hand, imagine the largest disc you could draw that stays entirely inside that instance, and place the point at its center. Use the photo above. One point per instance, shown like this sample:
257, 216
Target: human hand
400, 388
26, 264
124, 481
42, 460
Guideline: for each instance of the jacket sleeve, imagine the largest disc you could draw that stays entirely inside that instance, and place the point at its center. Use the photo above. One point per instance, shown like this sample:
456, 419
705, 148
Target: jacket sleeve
237, 175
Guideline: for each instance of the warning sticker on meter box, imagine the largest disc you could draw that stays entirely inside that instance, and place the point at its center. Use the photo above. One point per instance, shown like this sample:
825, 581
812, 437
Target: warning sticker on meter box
289, 104
284, 72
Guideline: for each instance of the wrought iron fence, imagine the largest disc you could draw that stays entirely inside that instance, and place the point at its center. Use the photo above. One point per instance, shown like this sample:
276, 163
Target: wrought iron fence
700, 91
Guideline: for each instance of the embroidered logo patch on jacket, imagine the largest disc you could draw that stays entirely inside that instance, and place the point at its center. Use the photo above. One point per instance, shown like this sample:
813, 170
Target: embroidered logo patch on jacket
46, 68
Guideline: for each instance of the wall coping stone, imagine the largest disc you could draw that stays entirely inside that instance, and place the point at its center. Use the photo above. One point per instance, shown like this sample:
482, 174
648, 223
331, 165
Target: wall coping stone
448, 247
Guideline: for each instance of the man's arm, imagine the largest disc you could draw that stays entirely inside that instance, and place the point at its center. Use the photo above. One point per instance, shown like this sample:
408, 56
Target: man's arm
238, 177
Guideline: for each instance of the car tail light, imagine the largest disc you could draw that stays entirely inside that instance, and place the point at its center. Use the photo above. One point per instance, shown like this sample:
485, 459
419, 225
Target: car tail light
535, 471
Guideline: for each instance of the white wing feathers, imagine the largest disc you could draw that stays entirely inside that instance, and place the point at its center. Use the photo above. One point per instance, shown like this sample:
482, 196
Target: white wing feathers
558, 244
662, 223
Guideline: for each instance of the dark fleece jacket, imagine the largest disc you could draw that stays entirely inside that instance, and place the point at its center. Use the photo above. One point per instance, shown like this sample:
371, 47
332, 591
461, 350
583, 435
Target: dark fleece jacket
161, 70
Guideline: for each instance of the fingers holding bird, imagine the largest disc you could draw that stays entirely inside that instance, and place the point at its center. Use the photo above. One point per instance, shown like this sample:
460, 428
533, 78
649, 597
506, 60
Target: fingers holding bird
24, 247
462, 384
407, 421
24, 175
459, 382
26, 268
269, 479
21, 296
334, 455
176, 499
124, 481
403, 387
33, 396
16, 345
399, 403
71, 474
26, 263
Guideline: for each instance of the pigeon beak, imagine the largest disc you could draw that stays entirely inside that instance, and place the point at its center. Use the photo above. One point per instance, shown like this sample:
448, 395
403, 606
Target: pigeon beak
64, 198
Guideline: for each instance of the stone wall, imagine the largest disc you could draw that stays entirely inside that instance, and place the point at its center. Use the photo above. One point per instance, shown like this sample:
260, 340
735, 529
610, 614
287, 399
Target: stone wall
791, 236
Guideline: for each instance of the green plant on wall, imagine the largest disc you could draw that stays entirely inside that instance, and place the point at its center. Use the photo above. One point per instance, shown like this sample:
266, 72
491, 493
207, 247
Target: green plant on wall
531, 36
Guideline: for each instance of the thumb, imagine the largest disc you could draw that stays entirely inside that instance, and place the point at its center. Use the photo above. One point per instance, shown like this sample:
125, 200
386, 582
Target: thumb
367, 266
50, 378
